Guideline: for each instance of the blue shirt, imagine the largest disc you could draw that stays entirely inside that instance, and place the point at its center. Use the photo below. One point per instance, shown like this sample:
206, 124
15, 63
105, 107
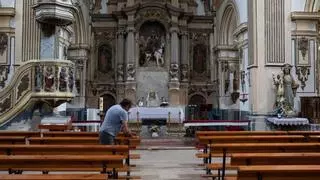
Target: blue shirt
114, 118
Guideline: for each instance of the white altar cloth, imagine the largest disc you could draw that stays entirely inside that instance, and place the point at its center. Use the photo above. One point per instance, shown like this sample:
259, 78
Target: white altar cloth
288, 121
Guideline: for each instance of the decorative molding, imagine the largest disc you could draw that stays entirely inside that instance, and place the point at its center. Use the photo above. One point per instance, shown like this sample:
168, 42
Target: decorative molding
315, 16
23, 85
303, 73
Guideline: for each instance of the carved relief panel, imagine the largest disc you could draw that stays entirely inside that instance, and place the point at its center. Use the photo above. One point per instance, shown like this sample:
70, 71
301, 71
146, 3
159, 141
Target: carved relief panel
152, 44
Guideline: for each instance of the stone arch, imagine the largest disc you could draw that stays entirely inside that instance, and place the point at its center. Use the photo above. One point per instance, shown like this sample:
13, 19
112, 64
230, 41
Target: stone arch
228, 23
197, 98
81, 24
312, 5
152, 11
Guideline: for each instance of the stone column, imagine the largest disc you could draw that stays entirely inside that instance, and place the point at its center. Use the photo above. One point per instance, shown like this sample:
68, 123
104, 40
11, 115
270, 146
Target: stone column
174, 85
120, 65
174, 45
130, 60
79, 55
212, 68
184, 57
120, 55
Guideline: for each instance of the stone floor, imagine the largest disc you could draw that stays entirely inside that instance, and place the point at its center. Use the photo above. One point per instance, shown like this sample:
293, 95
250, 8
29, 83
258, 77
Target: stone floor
168, 164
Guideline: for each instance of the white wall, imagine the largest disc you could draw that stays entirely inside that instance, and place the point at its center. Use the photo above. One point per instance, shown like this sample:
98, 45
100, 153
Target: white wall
242, 6
7, 3
297, 5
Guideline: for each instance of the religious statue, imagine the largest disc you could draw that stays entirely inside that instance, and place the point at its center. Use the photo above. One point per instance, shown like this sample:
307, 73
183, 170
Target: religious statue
174, 72
120, 72
153, 99
39, 78
70, 80
49, 79
184, 72
63, 80
286, 88
131, 72
152, 46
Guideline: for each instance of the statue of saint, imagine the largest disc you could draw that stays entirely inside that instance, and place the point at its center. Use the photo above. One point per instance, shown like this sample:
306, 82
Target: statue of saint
153, 99
286, 90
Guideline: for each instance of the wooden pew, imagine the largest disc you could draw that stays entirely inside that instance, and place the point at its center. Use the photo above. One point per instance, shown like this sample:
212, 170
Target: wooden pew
131, 142
244, 139
247, 159
69, 134
19, 133
12, 140
207, 156
278, 172
63, 149
228, 148
53, 176
48, 163
251, 139
64, 140
237, 133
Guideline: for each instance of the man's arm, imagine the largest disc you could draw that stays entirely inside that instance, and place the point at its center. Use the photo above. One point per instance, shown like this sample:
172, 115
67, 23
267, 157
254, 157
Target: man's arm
125, 127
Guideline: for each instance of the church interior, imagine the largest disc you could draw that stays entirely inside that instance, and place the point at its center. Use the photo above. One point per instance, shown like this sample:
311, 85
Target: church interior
220, 89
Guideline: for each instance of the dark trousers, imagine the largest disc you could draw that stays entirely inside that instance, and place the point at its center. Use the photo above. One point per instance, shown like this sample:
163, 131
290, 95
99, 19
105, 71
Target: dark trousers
106, 138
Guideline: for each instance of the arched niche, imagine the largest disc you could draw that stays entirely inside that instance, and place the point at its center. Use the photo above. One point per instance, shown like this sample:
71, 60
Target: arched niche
197, 99
228, 25
104, 60
152, 44
108, 101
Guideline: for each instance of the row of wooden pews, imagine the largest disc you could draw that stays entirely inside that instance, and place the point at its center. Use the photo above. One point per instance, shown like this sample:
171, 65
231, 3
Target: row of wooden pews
66, 152
252, 151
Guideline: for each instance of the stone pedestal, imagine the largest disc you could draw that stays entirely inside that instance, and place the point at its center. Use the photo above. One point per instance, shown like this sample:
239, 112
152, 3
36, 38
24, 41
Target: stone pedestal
174, 93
